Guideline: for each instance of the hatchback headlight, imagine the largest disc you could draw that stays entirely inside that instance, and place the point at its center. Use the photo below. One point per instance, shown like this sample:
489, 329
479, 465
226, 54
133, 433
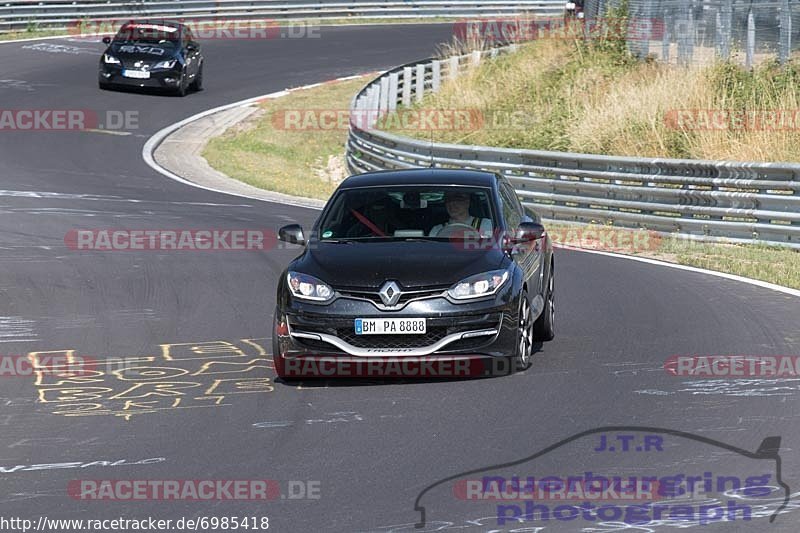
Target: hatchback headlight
111, 60
169, 63
308, 287
478, 285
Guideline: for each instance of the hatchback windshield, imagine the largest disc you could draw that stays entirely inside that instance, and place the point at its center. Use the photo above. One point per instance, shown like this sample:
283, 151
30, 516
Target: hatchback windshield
148, 34
430, 212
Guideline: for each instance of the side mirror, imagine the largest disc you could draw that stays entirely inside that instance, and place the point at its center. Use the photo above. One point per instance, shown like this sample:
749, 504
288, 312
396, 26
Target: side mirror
528, 231
107, 40
293, 234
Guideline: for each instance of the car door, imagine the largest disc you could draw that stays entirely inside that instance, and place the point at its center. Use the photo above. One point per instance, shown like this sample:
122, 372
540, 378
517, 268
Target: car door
191, 52
527, 255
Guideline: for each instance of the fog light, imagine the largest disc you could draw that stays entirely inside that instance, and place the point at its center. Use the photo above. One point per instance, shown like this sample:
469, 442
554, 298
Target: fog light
282, 329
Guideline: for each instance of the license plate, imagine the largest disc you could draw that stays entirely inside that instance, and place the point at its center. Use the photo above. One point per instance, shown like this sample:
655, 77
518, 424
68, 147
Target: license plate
390, 326
138, 74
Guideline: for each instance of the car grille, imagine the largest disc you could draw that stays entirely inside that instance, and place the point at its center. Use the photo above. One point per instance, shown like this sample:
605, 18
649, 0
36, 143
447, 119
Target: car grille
131, 64
407, 296
390, 342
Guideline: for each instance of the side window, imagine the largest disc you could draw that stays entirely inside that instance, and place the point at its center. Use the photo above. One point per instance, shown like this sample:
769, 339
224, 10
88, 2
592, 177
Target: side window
512, 212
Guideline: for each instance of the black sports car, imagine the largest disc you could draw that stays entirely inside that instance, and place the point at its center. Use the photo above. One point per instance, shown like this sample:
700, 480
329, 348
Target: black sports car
154, 54
430, 264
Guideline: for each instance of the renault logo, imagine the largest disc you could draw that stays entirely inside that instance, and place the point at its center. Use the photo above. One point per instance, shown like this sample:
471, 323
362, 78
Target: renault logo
390, 293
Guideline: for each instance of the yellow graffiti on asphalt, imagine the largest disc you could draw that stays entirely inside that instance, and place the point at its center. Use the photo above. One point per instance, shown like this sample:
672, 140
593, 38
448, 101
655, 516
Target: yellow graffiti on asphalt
182, 376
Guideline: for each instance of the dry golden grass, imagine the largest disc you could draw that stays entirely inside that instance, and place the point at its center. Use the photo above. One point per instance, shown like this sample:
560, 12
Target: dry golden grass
297, 162
565, 95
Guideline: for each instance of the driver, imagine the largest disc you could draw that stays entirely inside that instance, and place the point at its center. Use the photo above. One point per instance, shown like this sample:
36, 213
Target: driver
457, 204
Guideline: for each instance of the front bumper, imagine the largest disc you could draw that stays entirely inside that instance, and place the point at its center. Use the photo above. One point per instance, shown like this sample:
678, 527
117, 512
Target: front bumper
483, 329
159, 79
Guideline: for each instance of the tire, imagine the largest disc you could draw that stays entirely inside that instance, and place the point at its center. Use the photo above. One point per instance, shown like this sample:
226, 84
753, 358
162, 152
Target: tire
181, 89
544, 328
523, 353
197, 84
277, 359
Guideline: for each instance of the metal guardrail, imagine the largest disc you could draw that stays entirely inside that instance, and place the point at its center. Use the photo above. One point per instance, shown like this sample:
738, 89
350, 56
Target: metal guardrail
706, 200
24, 14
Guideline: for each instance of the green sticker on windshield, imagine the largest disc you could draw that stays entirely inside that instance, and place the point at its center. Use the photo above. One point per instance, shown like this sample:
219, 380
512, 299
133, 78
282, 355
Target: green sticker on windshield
327, 234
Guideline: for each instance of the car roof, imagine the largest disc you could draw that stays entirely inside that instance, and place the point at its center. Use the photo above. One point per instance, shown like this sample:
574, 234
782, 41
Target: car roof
155, 22
423, 176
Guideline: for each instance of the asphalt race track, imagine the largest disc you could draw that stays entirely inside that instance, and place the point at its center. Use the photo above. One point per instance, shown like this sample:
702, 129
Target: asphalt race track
201, 321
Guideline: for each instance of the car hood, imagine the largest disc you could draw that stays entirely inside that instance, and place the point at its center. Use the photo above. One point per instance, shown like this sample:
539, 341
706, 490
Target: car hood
142, 52
410, 263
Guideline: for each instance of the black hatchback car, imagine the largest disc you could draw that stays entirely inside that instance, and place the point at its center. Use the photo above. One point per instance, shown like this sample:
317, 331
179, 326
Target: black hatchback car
153, 54
431, 264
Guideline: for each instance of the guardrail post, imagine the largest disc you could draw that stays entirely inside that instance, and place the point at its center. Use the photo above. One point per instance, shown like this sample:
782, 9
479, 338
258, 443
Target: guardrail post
383, 105
420, 88
407, 86
437, 75
476, 57
452, 71
727, 21
686, 40
751, 40
394, 82
786, 32
373, 103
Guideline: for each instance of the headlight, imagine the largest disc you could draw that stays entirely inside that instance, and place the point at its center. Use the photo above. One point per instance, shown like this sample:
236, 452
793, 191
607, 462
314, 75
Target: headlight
479, 285
111, 60
308, 287
165, 64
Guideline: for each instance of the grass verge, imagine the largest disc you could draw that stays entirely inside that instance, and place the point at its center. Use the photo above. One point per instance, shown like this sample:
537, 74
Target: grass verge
304, 161
569, 95
772, 264
32, 34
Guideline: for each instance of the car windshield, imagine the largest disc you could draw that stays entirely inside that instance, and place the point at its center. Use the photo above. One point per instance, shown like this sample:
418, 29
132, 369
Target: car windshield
408, 212
148, 34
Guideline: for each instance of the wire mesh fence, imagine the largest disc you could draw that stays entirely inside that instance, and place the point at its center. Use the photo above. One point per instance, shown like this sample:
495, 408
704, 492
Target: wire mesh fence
697, 31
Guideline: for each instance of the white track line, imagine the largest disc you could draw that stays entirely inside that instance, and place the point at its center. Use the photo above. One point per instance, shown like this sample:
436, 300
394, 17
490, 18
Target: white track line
153, 142
734, 277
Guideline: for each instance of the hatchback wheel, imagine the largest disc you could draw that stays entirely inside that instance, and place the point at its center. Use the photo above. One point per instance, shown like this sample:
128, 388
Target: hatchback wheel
182, 86
197, 84
544, 329
524, 334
